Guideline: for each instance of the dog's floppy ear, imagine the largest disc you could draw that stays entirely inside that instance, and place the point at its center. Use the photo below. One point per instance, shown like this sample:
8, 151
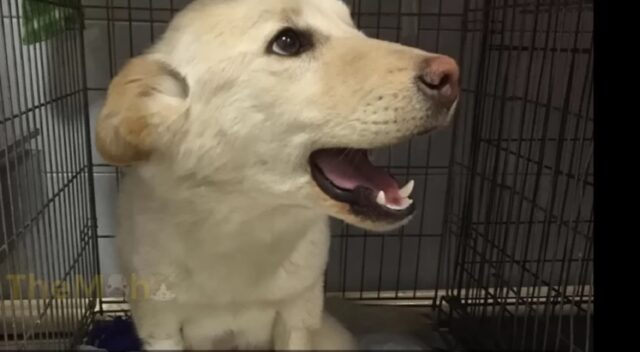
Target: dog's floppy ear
146, 96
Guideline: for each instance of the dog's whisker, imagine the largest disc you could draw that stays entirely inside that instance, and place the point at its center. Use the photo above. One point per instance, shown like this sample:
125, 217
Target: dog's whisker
345, 154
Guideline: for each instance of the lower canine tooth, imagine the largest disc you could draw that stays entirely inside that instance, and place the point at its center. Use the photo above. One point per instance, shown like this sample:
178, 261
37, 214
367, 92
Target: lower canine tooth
408, 189
381, 199
404, 205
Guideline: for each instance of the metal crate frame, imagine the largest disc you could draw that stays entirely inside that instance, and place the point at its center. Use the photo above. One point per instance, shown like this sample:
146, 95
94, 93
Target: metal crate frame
472, 263
521, 215
49, 249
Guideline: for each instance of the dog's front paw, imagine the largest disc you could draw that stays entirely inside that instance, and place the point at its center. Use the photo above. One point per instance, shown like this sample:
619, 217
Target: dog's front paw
293, 340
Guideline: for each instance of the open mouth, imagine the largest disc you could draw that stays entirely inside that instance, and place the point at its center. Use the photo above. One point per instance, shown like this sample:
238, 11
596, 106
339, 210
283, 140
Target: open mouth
348, 176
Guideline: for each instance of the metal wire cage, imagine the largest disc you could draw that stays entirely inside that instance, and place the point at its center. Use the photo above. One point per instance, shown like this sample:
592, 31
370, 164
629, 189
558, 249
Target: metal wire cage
521, 212
48, 247
501, 248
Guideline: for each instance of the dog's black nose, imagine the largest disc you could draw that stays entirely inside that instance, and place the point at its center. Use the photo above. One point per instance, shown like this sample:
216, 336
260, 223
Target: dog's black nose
440, 80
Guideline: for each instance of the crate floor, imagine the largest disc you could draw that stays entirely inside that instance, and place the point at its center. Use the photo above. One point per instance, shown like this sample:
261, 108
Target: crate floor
382, 328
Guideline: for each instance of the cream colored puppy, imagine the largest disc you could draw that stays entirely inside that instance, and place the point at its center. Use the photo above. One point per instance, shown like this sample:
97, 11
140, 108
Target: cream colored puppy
244, 128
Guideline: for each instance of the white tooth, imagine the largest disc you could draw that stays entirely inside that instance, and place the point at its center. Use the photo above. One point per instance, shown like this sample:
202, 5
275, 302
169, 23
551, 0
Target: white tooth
404, 205
382, 199
406, 191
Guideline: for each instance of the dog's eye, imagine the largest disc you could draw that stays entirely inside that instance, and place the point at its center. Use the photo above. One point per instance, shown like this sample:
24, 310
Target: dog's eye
287, 42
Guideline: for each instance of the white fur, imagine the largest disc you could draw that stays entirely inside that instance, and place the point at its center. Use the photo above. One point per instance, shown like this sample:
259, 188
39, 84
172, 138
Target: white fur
221, 224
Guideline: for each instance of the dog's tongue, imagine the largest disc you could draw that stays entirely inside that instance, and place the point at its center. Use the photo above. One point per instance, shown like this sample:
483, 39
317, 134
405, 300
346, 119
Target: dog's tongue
349, 169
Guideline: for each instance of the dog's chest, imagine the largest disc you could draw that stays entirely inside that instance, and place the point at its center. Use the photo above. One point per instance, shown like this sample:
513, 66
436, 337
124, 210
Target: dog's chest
255, 263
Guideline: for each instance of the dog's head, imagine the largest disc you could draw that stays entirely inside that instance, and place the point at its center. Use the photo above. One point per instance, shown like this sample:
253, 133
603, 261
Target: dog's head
282, 99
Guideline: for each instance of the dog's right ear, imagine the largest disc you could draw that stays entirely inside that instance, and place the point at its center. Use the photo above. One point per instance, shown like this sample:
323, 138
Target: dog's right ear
142, 99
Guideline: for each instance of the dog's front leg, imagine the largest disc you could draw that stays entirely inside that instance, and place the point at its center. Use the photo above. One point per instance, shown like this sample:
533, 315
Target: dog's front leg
298, 318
